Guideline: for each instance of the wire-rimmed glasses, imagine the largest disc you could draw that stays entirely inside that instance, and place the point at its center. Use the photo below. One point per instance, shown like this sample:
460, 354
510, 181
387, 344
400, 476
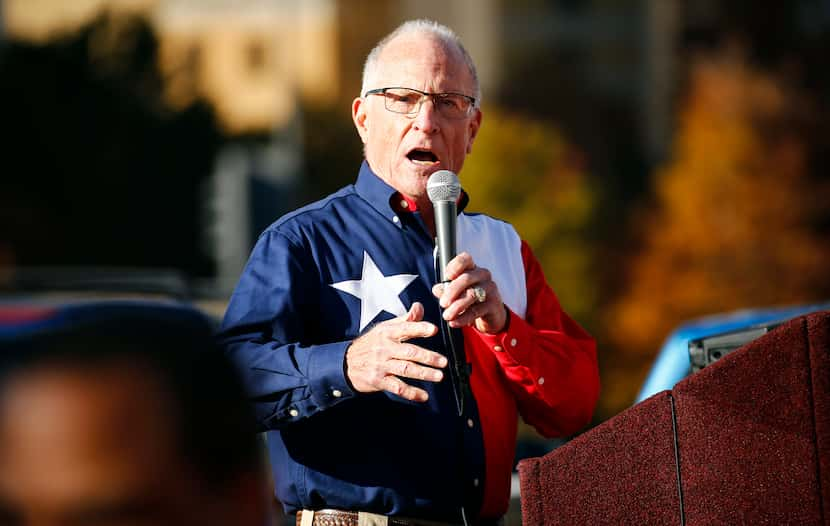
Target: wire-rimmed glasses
408, 101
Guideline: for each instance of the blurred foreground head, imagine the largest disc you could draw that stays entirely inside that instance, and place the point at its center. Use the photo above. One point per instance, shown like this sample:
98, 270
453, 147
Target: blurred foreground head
123, 414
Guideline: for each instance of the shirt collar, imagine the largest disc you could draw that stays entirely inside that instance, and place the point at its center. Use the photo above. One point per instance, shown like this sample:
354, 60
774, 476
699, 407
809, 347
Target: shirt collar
385, 199
402, 203
375, 190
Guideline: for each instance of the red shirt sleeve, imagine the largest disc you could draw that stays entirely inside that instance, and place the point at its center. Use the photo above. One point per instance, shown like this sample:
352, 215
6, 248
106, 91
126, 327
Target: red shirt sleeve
549, 361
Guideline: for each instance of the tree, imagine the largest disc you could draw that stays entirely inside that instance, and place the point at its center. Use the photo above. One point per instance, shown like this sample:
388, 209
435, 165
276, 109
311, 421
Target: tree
98, 169
738, 210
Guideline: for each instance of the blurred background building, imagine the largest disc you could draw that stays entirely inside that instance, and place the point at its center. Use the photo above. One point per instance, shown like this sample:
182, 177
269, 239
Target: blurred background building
665, 158
255, 63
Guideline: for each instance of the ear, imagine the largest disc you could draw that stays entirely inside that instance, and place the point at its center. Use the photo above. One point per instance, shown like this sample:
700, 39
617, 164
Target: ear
359, 116
475, 124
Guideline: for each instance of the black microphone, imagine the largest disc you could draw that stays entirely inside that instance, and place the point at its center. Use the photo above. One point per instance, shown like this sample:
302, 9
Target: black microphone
443, 190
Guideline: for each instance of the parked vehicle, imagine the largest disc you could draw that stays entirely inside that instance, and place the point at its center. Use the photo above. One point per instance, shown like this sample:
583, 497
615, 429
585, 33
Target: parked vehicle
700, 342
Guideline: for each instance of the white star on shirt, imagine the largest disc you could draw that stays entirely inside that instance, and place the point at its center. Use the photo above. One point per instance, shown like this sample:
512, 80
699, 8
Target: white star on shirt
376, 292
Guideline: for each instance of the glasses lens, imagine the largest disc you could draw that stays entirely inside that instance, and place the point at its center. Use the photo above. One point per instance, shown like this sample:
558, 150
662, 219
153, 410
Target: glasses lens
453, 105
402, 100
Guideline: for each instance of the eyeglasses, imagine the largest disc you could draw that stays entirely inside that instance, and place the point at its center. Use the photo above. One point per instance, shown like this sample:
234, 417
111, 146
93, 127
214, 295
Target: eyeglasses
409, 101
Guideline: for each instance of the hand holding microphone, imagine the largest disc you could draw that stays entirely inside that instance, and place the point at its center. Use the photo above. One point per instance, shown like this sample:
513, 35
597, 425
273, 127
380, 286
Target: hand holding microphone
467, 293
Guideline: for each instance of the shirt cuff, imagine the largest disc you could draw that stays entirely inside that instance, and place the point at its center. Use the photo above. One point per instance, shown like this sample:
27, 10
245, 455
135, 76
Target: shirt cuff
327, 376
511, 341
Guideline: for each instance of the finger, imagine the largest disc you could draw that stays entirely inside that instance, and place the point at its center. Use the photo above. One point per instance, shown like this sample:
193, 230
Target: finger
412, 370
414, 353
469, 316
460, 286
411, 329
415, 313
459, 264
438, 290
460, 305
396, 386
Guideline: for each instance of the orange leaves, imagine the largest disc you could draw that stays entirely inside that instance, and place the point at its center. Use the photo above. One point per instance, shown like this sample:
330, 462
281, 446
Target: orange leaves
732, 226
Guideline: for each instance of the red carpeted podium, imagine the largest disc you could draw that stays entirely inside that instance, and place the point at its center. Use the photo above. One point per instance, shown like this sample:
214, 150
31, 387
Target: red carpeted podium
744, 441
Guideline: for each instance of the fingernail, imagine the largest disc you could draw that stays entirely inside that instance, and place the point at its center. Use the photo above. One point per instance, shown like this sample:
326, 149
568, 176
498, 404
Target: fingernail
442, 362
446, 315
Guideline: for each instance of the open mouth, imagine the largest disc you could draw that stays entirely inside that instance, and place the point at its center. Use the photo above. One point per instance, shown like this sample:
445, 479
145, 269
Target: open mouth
422, 156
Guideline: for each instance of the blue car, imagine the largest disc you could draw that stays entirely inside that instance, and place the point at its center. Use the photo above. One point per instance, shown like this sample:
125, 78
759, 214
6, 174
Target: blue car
702, 341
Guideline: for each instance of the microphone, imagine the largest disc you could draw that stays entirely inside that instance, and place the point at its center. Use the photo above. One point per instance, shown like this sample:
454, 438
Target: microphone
443, 190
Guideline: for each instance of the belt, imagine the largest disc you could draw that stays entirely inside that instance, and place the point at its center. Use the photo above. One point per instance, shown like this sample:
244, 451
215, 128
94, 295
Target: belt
360, 518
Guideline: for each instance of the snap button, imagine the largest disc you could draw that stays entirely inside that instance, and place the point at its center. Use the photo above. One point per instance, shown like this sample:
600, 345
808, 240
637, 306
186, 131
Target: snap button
337, 393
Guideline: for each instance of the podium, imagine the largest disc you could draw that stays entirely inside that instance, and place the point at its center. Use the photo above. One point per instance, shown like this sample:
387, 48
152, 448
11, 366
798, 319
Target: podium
744, 441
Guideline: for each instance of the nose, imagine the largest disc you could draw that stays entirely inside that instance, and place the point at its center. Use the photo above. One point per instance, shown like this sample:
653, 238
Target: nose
427, 118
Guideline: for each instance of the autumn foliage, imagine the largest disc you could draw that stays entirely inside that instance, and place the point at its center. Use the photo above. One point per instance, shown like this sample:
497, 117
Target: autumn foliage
736, 211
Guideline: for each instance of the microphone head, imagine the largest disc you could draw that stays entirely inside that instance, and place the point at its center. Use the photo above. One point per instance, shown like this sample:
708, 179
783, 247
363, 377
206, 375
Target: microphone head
443, 185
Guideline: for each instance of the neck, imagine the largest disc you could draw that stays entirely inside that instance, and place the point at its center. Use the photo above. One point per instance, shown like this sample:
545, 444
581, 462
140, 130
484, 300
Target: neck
426, 211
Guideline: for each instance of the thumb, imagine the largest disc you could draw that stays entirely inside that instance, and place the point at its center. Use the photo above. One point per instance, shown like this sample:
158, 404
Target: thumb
416, 312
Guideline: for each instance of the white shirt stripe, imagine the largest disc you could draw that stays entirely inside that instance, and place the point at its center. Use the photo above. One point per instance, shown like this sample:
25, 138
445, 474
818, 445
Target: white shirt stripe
496, 246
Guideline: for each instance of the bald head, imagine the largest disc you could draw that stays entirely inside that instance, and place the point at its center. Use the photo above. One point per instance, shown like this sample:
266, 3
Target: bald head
426, 32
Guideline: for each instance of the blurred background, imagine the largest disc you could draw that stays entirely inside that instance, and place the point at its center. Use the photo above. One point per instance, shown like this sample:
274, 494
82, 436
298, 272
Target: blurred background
665, 158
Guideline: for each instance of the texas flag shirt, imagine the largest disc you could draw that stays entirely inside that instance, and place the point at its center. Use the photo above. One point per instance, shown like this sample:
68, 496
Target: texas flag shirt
323, 275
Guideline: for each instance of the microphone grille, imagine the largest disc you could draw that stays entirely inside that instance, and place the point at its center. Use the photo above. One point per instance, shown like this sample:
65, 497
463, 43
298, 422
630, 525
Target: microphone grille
443, 185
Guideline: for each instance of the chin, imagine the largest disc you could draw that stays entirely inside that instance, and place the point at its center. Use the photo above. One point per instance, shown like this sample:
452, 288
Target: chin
425, 170
414, 187
412, 178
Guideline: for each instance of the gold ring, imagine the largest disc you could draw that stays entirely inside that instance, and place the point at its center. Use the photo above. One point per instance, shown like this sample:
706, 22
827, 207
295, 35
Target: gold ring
480, 294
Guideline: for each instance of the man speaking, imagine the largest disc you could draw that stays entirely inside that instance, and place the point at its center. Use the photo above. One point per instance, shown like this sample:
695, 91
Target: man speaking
388, 396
